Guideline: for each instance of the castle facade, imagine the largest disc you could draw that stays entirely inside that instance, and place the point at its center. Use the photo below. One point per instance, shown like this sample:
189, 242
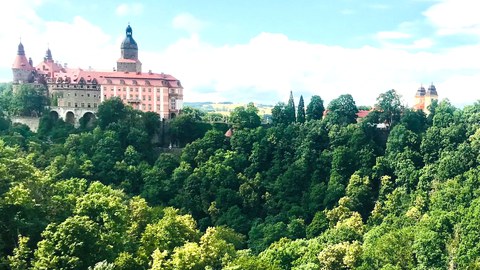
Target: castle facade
76, 92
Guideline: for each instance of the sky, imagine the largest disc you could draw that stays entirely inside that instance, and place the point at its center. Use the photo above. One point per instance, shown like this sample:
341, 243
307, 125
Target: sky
260, 50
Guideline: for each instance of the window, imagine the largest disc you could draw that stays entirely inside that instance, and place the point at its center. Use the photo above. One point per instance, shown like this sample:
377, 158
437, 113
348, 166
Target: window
149, 98
143, 98
150, 106
69, 104
158, 107
158, 98
149, 89
143, 106
83, 105
94, 105
94, 96
76, 105
75, 94
172, 104
88, 105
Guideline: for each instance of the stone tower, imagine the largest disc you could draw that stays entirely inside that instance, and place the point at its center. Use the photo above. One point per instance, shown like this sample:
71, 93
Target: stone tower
424, 98
128, 61
22, 68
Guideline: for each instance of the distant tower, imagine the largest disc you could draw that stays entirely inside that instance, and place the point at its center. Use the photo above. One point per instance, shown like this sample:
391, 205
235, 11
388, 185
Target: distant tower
430, 96
424, 98
128, 61
21, 68
48, 56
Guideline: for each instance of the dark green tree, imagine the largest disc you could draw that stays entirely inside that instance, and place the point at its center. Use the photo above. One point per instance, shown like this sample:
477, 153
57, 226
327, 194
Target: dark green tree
242, 117
342, 111
290, 109
111, 111
315, 108
301, 111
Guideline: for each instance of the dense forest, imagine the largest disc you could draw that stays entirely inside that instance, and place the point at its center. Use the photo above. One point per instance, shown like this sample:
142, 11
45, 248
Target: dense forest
306, 191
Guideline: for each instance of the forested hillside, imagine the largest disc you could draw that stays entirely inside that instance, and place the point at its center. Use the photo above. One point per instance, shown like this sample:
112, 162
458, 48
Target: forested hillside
305, 192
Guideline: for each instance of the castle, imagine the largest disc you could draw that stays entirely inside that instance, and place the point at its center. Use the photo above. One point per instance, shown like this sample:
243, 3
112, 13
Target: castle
75, 93
424, 98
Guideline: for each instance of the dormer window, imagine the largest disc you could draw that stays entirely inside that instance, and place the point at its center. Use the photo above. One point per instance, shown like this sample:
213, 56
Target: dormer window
134, 82
122, 82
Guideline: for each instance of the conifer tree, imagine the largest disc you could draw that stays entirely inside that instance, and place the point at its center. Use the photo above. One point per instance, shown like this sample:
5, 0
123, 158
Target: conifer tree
290, 109
301, 111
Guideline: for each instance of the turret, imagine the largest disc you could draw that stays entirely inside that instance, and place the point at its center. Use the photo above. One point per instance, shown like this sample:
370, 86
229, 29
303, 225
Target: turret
128, 61
22, 68
430, 96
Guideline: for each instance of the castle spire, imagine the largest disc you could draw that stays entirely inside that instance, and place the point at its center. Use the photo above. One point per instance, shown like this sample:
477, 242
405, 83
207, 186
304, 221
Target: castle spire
21, 50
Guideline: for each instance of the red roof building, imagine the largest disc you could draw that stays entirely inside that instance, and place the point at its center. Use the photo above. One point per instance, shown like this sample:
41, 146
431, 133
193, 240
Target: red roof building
78, 88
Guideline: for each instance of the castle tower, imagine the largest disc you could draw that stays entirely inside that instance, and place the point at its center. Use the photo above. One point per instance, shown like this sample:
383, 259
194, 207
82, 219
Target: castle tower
21, 68
424, 98
420, 99
128, 61
430, 96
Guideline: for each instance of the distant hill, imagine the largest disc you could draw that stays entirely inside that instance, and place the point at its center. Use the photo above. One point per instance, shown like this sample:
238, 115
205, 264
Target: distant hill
227, 107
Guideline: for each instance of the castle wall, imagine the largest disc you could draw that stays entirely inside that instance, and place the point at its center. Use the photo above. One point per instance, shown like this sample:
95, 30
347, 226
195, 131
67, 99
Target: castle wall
74, 95
31, 122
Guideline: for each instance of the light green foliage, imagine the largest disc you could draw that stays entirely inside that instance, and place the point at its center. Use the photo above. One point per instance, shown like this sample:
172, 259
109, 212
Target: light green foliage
20, 259
343, 255
173, 230
390, 107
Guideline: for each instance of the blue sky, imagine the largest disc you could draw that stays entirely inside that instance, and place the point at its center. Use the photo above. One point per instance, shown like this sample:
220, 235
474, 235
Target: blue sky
258, 51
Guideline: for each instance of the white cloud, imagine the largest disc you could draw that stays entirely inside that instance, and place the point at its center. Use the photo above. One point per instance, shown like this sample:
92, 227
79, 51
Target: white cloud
270, 65
454, 17
134, 9
187, 22
72, 42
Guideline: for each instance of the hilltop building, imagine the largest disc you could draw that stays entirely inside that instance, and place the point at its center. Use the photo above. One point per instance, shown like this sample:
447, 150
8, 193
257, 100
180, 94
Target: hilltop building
75, 92
424, 98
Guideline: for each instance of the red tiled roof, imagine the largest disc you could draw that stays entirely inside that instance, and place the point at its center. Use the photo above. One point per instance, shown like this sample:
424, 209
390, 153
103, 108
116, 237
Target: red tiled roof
21, 62
115, 77
362, 113
49, 67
